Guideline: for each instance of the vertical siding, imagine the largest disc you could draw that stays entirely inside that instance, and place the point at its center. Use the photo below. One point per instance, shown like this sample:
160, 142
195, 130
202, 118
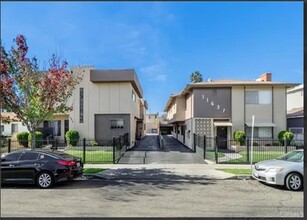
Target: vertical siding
237, 109
280, 116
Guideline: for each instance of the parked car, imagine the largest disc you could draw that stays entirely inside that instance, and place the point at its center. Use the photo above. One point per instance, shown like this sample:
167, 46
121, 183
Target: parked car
286, 170
41, 167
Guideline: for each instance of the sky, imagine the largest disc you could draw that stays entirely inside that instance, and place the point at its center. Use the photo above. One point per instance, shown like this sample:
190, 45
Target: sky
165, 41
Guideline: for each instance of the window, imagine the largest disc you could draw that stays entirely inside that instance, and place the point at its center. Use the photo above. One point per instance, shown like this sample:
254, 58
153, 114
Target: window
14, 128
12, 156
133, 96
81, 105
297, 130
258, 97
259, 132
29, 156
117, 123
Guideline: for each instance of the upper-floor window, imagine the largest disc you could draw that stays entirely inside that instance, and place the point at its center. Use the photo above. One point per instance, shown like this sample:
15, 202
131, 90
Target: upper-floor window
133, 96
258, 97
81, 105
14, 128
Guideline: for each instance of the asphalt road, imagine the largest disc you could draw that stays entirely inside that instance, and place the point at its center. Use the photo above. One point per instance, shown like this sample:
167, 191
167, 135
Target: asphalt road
152, 198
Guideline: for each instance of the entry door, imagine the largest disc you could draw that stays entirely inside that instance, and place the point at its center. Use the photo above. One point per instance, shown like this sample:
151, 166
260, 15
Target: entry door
222, 137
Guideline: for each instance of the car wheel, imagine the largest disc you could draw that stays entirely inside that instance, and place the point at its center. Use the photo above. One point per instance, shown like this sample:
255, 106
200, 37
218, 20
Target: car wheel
44, 180
294, 182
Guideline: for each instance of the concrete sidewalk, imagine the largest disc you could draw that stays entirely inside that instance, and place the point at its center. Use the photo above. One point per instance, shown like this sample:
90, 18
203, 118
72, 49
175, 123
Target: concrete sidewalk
165, 171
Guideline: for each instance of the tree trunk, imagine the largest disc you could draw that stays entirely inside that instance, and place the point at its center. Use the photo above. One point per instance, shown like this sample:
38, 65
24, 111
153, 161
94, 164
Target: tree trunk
33, 143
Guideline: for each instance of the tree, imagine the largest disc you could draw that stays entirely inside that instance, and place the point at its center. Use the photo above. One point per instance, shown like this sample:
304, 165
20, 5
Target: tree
34, 95
196, 77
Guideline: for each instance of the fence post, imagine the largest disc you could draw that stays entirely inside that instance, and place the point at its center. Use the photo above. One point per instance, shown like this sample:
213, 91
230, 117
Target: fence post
286, 145
56, 144
205, 146
216, 149
194, 142
113, 149
247, 150
9, 146
84, 144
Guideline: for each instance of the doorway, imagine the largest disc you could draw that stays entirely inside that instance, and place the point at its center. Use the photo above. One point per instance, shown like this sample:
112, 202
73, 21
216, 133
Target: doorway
221, 133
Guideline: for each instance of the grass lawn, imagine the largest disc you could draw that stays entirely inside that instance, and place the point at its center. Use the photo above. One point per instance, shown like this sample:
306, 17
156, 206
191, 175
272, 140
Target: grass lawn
210, 154
257, 156
93, 156
93, 170
237, 171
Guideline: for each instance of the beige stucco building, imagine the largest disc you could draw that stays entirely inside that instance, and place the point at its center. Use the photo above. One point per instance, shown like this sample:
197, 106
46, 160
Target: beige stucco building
221, 107
152, 123
106, 104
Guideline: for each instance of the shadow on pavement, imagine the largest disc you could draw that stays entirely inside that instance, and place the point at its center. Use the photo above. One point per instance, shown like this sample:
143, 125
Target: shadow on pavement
127, 177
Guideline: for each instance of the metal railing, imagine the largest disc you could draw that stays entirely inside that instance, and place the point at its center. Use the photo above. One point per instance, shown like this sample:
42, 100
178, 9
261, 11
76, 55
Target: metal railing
91, 151
232, 152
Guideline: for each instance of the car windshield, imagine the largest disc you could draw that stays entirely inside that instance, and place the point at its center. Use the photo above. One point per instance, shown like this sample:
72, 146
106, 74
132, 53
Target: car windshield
295, 156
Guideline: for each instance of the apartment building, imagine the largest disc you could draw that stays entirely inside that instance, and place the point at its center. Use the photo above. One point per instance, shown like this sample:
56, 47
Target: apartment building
295, 112
108, 103
221, 107
13, 124
152, 123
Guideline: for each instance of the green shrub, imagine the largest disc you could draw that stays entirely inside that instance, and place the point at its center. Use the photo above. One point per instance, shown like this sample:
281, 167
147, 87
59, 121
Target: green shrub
93, 143
285, 135
72, 137
38, 139
239, 137
23, 138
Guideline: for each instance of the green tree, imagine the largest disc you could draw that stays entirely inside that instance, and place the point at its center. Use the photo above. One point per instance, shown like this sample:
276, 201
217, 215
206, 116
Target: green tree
196, 77
34, 95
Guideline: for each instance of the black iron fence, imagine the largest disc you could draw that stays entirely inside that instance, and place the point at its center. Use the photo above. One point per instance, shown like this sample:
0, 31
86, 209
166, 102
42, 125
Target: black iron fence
232, 152
91, 151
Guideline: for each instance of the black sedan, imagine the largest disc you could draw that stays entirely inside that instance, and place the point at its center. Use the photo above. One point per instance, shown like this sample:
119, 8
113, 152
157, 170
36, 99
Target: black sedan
41, 167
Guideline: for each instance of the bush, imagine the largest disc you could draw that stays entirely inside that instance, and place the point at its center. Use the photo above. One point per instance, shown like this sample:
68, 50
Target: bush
288, 135
72, 137
38, 139
239, 137
23, 138
93, 143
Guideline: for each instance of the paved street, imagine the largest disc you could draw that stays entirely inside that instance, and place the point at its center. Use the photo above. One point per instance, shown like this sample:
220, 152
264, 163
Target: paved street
178, 196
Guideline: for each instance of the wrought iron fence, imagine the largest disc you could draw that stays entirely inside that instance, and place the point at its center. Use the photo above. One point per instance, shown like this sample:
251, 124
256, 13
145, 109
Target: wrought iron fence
230, 151
91, 151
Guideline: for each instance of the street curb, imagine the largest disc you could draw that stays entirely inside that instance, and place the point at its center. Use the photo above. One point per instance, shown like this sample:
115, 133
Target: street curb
94, 176
243, 177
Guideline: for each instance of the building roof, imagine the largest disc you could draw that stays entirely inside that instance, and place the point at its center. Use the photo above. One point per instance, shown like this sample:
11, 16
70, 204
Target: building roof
117, 75
225, 83
171, 100
296, 88
295, 112
232, 83
10, 116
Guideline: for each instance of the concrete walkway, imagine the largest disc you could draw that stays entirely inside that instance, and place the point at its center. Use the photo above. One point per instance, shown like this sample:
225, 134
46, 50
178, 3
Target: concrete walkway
163, 172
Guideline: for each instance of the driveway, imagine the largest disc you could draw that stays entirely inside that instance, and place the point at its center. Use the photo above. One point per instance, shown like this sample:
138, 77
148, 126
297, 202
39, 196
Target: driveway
148, 151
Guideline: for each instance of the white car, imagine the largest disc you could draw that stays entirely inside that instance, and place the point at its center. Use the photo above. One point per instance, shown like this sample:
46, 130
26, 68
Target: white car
286, 170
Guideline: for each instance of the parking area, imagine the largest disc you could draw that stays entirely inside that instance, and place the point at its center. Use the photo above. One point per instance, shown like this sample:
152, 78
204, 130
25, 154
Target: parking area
177, 196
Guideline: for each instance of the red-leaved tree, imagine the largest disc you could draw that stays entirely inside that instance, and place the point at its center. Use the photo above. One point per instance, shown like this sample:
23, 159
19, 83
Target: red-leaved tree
34, 95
